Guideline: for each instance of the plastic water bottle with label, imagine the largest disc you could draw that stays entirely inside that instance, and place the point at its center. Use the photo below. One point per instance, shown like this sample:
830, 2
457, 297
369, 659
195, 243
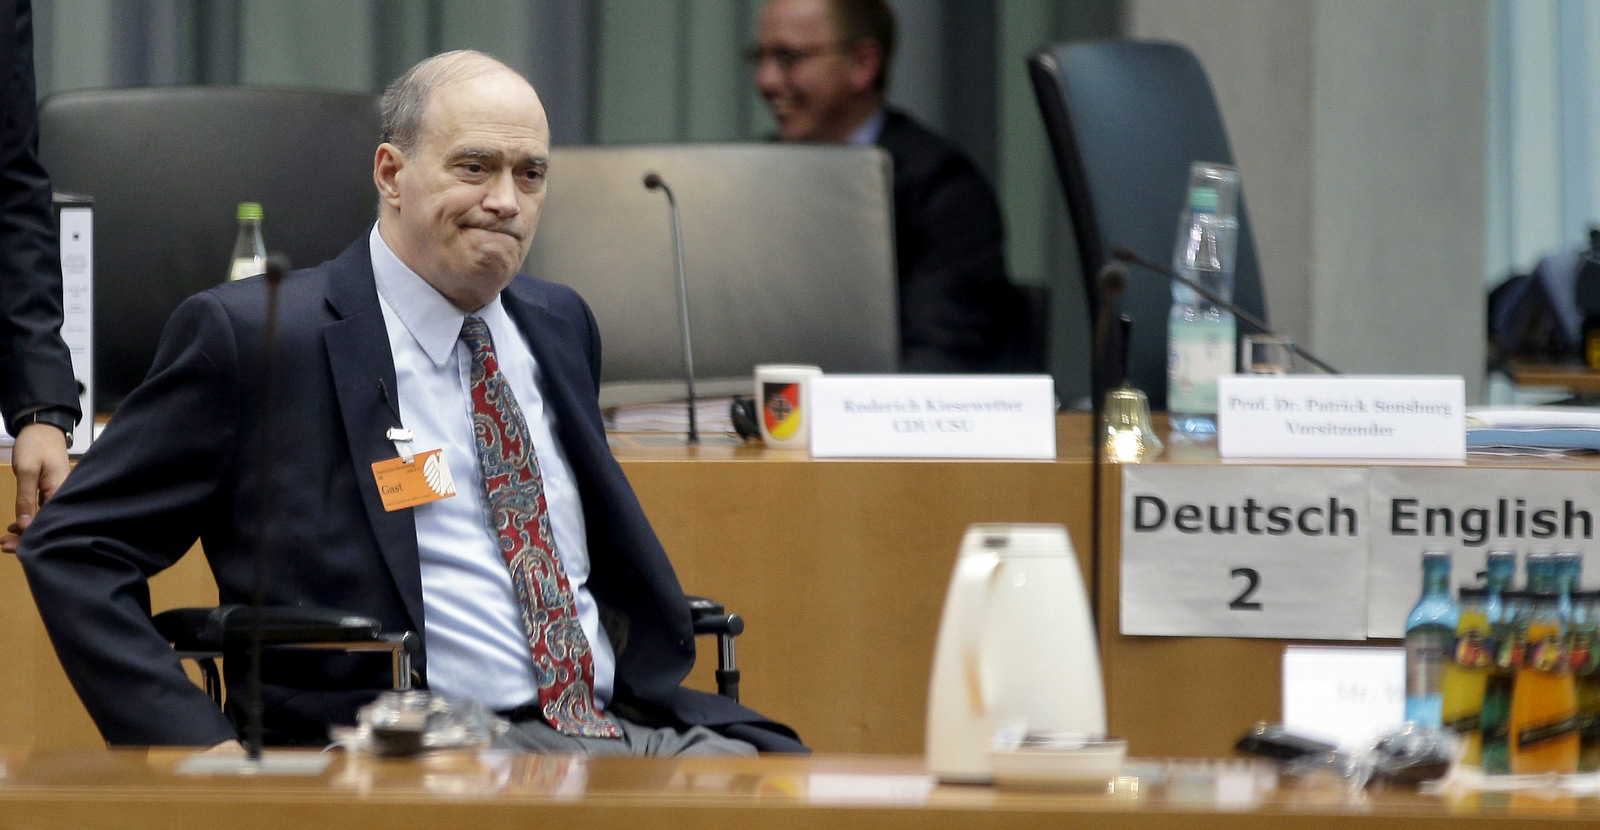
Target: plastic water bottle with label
1202, 337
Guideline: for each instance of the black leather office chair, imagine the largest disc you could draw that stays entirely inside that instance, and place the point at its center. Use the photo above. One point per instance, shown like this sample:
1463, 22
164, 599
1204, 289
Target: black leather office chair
1125, 120
168, 166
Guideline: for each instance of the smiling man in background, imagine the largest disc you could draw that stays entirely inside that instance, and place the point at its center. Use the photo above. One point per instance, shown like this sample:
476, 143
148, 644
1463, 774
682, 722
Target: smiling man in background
822, 67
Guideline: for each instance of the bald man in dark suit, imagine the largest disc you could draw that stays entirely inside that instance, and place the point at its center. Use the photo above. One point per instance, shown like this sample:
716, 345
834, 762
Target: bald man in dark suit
534, 579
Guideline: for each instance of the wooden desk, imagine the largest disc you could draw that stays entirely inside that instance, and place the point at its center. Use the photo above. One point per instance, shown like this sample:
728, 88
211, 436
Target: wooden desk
1581, 380
131, 790
839, 567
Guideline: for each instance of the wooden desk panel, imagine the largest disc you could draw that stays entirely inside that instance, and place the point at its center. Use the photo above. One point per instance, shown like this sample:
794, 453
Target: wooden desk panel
1176, 696
37, 705
840, 567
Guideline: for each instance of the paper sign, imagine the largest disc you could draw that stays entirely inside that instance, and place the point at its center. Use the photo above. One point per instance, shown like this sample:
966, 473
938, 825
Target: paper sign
1346, 416
1244, 551
933, 416
403, 483
77, 316
77, 320
1344, 695
1469, 512
1318, 543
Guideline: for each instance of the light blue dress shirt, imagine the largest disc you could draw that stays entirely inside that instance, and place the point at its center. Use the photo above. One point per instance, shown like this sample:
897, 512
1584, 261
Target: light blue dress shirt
476, 648
869, 130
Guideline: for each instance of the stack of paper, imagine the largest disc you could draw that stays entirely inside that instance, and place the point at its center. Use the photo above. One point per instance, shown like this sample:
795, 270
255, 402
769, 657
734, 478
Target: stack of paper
1538, 430
711, 416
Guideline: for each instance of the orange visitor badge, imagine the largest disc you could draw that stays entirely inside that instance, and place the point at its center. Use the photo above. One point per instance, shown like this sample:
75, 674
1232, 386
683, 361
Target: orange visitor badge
403, 483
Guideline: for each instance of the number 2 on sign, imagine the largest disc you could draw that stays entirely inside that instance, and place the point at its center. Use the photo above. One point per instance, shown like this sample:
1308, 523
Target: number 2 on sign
1242, 602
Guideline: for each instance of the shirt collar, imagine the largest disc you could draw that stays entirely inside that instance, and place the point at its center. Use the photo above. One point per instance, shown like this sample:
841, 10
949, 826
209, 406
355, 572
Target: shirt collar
869, 130
434, 322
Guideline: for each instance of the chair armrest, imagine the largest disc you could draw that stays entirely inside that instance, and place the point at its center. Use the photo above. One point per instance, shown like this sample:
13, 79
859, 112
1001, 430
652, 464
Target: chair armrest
229, 627
710, 617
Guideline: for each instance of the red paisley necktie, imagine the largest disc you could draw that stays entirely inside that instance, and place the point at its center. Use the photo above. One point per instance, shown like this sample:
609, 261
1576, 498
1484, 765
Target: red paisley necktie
562, 666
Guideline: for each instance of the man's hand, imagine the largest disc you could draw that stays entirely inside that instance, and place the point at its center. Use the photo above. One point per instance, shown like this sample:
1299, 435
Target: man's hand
226, 748
39, 459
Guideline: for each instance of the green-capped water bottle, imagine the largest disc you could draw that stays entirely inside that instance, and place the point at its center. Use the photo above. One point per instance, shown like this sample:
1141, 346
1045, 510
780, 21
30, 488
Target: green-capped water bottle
249, 251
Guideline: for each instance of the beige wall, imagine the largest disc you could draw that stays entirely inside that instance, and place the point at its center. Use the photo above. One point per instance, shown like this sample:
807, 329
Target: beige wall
1359, 129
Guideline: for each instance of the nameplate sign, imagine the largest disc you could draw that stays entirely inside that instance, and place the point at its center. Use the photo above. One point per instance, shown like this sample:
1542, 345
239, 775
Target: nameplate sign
1346, 695
1347, 416
933, 416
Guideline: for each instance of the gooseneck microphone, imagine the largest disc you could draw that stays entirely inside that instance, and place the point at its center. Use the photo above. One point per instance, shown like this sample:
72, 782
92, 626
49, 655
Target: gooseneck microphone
653, 181
1112, 281
1129, 255
277, 270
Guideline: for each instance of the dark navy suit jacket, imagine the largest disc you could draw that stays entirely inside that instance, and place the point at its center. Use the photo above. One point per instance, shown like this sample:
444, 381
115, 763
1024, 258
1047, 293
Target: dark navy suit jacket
958, 310
35, 366
191, 453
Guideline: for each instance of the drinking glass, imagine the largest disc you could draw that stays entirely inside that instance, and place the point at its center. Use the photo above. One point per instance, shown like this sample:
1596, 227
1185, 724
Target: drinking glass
1267, 354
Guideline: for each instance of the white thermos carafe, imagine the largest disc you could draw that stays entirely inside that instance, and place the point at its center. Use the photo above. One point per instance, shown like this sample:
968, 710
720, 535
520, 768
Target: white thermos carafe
1016, 645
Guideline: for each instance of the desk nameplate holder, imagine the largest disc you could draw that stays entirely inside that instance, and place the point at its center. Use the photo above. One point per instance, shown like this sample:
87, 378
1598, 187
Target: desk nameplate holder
1344, 416
1349, 695
933, 416
271, 763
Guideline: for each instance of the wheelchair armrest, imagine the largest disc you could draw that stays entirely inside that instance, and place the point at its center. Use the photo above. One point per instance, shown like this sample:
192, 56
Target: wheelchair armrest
710, 617
228, 627
701, 606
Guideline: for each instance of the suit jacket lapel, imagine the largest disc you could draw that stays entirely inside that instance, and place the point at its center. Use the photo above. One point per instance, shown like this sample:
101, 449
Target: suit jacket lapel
558, 351
364, 380
568, 388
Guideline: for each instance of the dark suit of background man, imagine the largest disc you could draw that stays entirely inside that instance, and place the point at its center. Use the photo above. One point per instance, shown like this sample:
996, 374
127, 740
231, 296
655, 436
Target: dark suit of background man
383, 337
38, 394
822, 67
